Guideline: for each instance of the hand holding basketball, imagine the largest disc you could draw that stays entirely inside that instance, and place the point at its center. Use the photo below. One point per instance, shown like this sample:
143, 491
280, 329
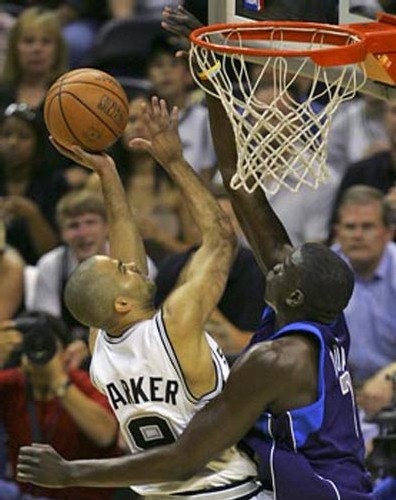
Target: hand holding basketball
94, 161
86, 107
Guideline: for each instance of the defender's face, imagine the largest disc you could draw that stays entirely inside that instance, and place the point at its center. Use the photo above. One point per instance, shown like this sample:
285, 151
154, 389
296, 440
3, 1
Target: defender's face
282, 279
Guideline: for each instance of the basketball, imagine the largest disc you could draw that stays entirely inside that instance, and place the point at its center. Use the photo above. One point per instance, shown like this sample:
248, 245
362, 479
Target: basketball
86, 107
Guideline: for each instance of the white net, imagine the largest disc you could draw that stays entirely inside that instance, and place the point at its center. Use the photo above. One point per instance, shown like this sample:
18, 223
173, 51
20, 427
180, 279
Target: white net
280, 135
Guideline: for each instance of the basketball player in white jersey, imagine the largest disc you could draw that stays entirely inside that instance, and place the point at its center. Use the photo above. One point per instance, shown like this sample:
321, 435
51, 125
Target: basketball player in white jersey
157, 369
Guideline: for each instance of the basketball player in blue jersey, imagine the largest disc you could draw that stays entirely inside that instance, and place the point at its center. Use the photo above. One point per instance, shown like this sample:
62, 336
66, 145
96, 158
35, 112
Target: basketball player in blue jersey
289, 396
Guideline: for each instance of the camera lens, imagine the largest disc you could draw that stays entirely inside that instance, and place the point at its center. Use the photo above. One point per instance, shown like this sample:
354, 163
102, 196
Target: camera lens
39, 346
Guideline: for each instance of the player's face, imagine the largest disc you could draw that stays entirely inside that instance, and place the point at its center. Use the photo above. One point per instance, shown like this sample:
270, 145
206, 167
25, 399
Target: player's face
168, 75
362, 234
37, 49
86, 234
282, 279
17, 142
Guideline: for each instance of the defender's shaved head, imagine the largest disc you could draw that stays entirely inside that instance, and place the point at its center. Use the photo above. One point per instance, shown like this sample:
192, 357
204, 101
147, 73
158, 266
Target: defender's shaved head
325, 279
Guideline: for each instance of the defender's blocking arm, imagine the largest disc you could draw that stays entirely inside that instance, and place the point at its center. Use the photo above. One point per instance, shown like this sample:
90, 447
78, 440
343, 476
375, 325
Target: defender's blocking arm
255, 382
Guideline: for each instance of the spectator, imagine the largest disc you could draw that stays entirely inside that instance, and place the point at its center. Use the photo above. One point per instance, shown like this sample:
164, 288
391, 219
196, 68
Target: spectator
28, 194
83, 227
43, 402
363, 239
378, 171
171, 80
11, 282
36, 56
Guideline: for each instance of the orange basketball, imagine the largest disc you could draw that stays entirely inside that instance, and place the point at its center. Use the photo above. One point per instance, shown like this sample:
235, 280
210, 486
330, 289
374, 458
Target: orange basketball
86, 107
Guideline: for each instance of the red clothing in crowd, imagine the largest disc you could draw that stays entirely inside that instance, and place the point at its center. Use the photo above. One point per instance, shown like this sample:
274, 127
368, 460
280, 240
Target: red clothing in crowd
57, 429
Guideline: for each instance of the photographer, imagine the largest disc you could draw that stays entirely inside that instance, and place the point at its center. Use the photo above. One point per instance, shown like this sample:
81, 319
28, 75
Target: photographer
40, 401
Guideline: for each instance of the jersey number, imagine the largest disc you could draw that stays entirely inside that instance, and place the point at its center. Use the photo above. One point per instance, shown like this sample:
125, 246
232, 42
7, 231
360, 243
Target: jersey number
150, 432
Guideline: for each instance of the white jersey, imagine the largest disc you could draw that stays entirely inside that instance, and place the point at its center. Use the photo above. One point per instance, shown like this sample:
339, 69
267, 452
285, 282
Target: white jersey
143, 381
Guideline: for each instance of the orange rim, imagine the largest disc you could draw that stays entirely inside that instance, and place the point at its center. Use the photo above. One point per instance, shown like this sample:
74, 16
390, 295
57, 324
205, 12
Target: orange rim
339, 54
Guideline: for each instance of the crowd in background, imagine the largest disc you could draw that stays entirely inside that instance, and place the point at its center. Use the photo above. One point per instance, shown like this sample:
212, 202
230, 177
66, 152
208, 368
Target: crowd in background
52, 217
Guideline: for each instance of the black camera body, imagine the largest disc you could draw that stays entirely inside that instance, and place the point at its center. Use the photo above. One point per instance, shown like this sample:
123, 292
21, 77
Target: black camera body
39, 340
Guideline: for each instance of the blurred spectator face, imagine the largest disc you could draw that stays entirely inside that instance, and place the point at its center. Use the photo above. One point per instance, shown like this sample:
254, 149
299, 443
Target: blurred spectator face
136, 128
390, 121
37, 50
168, 75
362, 234
17, 142
86, 234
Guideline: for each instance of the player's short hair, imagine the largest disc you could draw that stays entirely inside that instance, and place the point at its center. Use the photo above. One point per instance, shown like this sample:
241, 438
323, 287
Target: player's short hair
326, 281
89, 294
365, 195
79, 203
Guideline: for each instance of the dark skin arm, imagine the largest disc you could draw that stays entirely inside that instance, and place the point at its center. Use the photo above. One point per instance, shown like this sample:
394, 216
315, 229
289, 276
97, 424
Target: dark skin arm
263, 229
266, 377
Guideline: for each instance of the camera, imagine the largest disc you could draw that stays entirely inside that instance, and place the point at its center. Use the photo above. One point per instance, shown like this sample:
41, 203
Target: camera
41, 334
39, 342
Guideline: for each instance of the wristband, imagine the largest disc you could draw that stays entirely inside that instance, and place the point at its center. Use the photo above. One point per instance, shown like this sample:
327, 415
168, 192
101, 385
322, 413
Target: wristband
210, 72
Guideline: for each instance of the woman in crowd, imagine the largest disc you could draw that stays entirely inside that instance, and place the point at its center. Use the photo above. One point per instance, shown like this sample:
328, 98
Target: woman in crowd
36, 56
28, 194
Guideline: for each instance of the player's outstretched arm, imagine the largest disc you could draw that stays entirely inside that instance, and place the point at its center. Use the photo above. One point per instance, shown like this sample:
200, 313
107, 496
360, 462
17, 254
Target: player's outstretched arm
262, 227
256, 380
187, 309
125, 241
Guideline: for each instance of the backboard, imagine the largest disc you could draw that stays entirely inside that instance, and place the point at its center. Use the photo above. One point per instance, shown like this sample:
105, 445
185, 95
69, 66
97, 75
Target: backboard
322, 11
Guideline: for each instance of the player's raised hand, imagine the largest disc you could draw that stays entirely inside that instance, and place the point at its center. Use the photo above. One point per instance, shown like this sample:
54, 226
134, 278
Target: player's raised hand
93, 161
163, 141
180, 22
40, 464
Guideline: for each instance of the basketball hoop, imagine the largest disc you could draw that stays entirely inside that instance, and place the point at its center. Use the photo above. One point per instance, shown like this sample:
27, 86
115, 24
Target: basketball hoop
280, 140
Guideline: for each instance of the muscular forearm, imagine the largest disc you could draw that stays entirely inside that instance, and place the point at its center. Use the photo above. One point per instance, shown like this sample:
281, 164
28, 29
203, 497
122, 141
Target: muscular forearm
261, 225
150, 467
125, 241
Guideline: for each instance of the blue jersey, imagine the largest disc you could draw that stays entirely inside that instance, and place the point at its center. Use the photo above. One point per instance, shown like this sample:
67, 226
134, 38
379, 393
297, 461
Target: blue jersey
315, 452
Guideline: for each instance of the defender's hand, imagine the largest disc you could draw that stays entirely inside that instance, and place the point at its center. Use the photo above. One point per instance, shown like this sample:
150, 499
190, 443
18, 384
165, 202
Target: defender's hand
180, 22
40, 464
